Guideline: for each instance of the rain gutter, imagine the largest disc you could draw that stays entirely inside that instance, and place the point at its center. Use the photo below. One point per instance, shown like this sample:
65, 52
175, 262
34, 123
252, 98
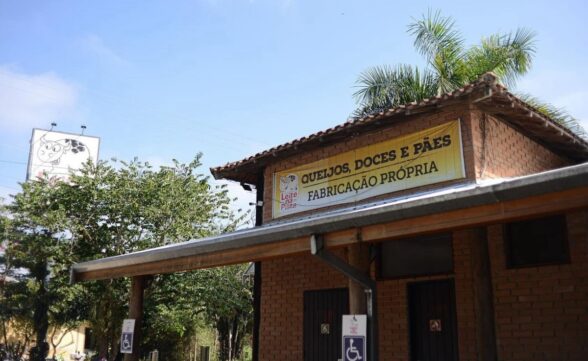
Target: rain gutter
437, 202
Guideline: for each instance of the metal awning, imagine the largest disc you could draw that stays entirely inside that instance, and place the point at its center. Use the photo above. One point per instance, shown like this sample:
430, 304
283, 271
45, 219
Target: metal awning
227, 247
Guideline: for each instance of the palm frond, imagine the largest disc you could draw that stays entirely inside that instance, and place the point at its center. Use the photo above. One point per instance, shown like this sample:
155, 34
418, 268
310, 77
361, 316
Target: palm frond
450, 66
385, 87
449, 75
521, 48
414, 85
375, 85
558, 114
507, 55
435, 34
436, 38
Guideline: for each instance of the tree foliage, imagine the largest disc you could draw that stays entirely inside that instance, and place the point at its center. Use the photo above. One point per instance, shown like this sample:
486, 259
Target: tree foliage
178, 303
108, 209
38, 254
228, 306
15, 313
450, 66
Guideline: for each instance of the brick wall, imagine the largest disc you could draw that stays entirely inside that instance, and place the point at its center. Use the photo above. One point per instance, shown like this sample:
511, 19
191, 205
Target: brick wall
284, 281
408, 125
393, 307
507, 152
542, 312
394, 323
504, 153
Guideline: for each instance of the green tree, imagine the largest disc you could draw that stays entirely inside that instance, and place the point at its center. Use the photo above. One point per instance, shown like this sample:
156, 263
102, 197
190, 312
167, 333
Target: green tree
227, 301
107, 209
116, 210
15, 313
39, 250
15, 317
177, 305
172, 314
450, 66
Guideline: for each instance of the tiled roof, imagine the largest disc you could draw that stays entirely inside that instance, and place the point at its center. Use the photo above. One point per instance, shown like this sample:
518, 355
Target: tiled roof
489, 93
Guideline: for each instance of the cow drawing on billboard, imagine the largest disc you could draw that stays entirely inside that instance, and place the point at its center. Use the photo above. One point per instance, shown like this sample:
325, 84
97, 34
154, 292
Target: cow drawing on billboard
56, 154
51, 151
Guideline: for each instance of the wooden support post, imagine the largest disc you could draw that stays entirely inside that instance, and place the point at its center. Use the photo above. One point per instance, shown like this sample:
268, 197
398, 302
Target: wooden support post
366, 283
136, 313
358, 256
256, 311
259, 187
483, 295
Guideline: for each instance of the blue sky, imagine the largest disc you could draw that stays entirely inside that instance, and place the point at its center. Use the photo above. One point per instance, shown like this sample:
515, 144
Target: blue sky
167, 79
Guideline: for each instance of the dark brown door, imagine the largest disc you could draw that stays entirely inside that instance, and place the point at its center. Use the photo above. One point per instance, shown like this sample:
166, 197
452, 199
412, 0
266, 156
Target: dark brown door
433, 326
323, 311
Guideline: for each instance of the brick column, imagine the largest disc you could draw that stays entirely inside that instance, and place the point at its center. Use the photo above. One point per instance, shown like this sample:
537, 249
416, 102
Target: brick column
483, 296
475, 300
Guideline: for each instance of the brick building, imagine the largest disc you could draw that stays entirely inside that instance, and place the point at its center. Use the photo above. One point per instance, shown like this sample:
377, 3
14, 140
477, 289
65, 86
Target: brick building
467, 214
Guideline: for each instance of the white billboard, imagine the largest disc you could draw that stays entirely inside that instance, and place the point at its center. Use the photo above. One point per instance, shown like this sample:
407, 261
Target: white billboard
57, 154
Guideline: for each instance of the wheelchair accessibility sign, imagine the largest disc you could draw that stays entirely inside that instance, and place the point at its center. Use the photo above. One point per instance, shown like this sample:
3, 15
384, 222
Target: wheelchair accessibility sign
126, 338
354, 348
354, 337
126, 343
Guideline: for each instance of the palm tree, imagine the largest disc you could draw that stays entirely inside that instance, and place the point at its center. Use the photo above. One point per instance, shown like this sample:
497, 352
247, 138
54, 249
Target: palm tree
451, 66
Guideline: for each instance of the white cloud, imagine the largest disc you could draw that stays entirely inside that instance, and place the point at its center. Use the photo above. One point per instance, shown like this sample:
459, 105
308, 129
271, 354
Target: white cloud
96, 46
33, 100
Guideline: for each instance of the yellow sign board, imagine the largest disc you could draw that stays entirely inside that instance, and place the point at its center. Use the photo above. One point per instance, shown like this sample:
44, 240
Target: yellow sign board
430, 156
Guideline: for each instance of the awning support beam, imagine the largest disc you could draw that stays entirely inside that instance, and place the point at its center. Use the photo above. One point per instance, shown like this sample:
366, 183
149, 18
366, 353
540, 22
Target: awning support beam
317, 249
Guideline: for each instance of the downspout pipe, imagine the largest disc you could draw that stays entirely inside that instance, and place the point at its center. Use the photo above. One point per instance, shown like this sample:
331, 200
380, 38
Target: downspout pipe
317, 249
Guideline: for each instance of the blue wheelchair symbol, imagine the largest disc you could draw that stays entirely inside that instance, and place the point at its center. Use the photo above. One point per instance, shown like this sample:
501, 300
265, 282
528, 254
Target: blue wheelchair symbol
353, 348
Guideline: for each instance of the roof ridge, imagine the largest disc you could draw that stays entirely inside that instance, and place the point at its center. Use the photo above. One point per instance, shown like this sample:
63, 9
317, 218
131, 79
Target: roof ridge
488, 78
494, 92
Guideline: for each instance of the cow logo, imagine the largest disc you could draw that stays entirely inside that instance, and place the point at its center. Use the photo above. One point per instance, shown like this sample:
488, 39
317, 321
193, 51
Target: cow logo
51, 151
288, 192
55, 157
